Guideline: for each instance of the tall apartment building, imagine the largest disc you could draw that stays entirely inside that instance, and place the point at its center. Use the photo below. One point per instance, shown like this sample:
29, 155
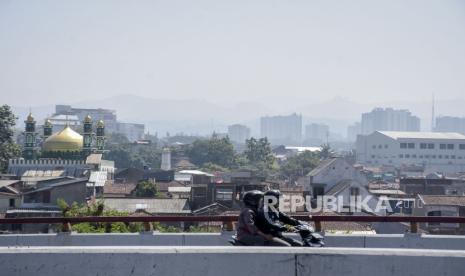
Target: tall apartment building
353, 131
389, 119
132, 131
282, 129
106, 115
450, 124
436, 151
317, 133
238, 133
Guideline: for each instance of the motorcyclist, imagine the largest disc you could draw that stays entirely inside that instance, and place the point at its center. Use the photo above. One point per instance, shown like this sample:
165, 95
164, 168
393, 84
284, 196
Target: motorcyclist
272, 221
247, 230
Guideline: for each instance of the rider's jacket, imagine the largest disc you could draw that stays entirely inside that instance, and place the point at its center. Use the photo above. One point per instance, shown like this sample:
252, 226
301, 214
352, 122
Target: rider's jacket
273, 222
246, 224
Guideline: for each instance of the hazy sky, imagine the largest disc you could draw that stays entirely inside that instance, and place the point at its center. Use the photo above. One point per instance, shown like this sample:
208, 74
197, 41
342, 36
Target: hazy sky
367, 51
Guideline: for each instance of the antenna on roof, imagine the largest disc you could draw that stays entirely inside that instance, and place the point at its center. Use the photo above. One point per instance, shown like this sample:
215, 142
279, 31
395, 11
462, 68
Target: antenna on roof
432, 113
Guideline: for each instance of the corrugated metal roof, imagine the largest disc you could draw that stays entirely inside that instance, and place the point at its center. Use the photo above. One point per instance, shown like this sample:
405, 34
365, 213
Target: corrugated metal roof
179, 189
97, 179
442, 200
422, 135
151, 205
322, 166
4, 183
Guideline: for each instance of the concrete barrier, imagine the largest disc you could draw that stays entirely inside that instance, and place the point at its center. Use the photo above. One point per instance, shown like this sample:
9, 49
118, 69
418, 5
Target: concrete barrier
449, 242
226, 261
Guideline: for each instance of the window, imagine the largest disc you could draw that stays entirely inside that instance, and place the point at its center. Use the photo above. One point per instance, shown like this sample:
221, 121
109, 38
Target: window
401, 156
442, 146
380, 146
354, 191
373, 157
46, 197
450, 146
403, 145
386, 146
318, 191
411, 145
440, 156
433, 156
452, 157
462, 146
423, 145
446, 156
414, 156
374, 146
224, 194
430, 146
12, 202
421, 156
434, 214
407, 156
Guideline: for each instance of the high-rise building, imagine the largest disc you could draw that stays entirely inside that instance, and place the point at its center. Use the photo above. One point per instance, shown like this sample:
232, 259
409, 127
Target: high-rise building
132, 131
389, 119
282, 129
238, 133
353, 131
106, 115
66, 115
317, 133
450, 124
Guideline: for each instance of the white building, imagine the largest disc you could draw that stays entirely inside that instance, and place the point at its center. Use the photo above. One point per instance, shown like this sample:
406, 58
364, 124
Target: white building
450, 124
353, 131
238, 133
436, 151
132, 131
388, 119
282, 129
316, 132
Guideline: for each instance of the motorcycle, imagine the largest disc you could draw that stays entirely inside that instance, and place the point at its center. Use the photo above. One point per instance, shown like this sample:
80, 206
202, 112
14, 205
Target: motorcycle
308, 235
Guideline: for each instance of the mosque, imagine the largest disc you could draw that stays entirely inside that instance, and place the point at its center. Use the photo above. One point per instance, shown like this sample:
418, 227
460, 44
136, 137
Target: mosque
65, 144
63, 153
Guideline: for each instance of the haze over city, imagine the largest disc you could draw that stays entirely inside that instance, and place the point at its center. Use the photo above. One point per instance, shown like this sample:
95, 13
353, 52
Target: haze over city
273, 56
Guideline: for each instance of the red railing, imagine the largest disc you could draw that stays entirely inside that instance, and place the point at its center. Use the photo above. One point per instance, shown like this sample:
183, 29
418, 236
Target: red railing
228, 220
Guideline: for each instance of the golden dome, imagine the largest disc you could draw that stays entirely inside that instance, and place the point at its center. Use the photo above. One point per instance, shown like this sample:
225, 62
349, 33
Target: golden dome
48, 122
100, 123
30, 118
88, 119
65, 140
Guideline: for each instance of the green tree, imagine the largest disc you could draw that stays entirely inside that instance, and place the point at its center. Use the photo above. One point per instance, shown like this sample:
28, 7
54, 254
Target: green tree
219, 151
326, 151
145, 189
259, 151
96, 209
128, 155
8, 148
299, 165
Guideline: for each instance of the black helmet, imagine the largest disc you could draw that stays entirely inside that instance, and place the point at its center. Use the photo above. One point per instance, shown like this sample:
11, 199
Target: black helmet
275, 193
252, 198
271, 196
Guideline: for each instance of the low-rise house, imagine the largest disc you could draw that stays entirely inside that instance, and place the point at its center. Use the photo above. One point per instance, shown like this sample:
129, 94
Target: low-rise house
441, 205
46, 194
154, 206
329, 173
433, 184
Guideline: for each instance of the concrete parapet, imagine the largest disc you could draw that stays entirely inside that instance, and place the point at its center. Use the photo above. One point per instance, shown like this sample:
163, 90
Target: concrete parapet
414, 241
225, 261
